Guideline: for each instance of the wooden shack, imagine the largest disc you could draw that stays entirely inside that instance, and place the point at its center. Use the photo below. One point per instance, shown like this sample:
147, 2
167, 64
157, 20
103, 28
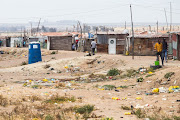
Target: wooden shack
144, 44
103, 45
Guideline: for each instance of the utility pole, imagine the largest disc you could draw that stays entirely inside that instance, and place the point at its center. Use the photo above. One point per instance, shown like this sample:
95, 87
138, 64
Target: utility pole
157, 27
166, 19
132, 33
125, 24
170, 16
81, 36
38, 25
31, 28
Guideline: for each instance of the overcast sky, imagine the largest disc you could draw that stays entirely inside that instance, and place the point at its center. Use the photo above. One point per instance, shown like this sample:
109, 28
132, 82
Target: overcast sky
88, 11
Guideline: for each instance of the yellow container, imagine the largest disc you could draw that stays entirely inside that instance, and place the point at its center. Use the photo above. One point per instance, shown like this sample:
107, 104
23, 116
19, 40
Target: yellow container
45, 80
115, 98
138, 98
127, 53
155, 90
127, 113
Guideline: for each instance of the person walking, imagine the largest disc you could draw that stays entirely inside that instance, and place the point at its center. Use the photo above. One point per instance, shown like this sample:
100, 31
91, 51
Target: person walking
158, 48
164, 51
93, 46
0, 43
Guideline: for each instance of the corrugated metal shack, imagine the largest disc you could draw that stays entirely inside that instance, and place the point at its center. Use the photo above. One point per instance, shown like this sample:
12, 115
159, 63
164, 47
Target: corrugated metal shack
60, 42
102, 42
144, 44
176, 45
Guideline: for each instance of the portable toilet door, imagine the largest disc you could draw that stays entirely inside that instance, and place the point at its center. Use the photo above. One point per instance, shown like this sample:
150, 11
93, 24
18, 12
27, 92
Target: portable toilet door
112, 46
34, 52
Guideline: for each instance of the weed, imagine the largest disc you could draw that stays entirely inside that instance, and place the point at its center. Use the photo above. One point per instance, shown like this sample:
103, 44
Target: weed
140, 113
108, 87
113, 72
125, 108
49, 117
53, 52
149, 75
176, 117
60, 85
24, 63
47, 66
131, 73
35, 86
59, 99
35, 98
168, 75
84, 109
150, 70
123, 86
140, 79
107, 118
3, 101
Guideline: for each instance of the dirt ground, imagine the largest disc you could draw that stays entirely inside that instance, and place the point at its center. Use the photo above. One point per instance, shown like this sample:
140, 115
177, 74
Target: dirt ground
72, 65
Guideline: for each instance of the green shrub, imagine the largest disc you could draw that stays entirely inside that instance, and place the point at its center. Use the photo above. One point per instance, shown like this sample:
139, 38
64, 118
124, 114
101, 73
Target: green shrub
84, 109
107, 118
125, 108
113, 72
49, 117
108, 87
60, 99
168, 75
140, 113
53, 52
24, 63
140, 79
131, 73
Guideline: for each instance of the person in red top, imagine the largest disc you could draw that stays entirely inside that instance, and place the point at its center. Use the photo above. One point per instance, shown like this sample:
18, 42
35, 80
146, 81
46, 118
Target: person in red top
77, 43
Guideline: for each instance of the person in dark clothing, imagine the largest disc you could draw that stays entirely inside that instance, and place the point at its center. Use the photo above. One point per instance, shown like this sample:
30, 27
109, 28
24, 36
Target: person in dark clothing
164, 51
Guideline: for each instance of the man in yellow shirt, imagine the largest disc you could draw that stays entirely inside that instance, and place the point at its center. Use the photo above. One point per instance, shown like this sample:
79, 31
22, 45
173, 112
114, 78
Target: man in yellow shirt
158, 48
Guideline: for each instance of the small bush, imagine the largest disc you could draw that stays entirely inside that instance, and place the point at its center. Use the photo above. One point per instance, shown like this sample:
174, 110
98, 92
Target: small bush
140, 79
35, 86
53, 52
3, 101
125, 108
140, 113
150, 70
123, 86
47, 66
49, 117
131, 73
107, 119
149, 75
108, 87
168, 75
24, 63
60, 99
84, 109
176, 117
113, 72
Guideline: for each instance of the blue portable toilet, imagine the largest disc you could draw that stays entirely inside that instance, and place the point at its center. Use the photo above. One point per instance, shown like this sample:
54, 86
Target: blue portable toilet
34, 52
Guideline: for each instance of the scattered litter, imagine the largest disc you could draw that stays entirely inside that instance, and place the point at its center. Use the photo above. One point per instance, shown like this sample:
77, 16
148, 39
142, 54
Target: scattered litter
115, 98
138, 98
164, 98
155, 90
